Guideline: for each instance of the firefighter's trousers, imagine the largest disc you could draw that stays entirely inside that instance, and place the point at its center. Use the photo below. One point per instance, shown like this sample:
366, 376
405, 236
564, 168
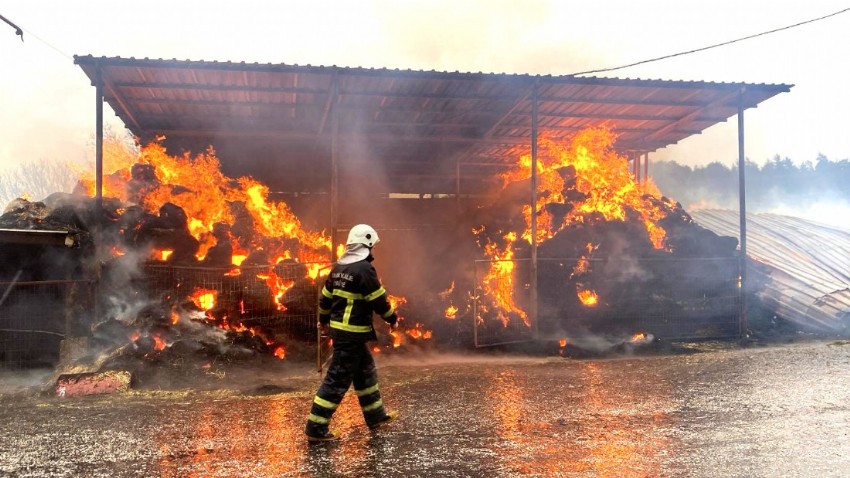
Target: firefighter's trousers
351, 362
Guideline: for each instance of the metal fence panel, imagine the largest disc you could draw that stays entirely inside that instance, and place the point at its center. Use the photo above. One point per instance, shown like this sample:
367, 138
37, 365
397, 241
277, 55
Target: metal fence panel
670, 298
495, 324
34, 318
282, 298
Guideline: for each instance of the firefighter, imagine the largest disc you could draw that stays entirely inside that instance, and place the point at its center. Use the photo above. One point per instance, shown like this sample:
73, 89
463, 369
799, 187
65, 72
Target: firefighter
350, 295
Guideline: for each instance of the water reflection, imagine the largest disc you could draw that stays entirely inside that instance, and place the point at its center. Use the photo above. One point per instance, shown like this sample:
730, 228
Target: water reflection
610, 427
558, 419
627, 434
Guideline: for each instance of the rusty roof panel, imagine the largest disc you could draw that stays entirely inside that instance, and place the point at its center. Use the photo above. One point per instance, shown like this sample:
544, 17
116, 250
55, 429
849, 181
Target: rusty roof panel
426, 117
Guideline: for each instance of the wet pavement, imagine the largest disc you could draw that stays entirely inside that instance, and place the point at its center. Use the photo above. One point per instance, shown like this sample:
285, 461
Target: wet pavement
721, 411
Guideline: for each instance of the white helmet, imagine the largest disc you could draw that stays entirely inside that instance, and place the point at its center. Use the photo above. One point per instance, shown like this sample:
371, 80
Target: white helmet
362, 234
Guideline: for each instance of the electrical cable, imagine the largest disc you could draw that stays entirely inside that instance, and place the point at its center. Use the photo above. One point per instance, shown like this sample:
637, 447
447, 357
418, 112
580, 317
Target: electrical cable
711, 46
49, 45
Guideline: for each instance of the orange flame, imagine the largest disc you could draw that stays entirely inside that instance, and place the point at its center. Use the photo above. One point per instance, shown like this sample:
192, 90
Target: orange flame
396, 301
397, 338
602, 178
588, 297
205, 299
237, 259
451, 312
499, 280
448, 292
417, 332
206, 197
210, 199
158, 342
638, 337
601, 188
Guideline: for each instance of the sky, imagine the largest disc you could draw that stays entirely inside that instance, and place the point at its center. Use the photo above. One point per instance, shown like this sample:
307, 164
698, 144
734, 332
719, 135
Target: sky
47, 104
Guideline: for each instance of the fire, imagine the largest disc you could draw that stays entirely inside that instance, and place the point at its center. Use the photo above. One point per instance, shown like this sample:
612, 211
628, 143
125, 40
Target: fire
397, 338
417, 332
587, 175
451, 309
277, 285
499, 280
602, 179
588, 297
205, 299
315, 270
451, 312
396, 301
448, 292
191, 214
159, 342
640, 338
237, 259
206, 196
562, 343
403, 334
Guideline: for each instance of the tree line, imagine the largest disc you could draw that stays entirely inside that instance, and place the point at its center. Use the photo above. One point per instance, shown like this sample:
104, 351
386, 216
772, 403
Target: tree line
779, 183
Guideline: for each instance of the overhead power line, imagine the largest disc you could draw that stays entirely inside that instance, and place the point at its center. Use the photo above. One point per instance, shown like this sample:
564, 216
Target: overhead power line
710, 46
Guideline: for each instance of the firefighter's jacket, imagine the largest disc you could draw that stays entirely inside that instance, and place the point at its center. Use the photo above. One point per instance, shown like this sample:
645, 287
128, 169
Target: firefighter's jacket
350, 295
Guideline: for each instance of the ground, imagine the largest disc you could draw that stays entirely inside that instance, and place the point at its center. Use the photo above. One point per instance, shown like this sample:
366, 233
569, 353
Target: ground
707, 410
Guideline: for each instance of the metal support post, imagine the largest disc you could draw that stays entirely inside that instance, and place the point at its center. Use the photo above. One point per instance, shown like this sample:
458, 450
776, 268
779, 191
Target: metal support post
742, 198
534, 308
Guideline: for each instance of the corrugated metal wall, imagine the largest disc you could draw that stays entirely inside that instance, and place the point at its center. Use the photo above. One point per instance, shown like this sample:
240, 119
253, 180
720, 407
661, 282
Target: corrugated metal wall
804, 266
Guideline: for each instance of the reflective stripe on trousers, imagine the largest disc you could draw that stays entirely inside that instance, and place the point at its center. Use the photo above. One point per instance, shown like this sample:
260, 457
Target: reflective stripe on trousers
352, 362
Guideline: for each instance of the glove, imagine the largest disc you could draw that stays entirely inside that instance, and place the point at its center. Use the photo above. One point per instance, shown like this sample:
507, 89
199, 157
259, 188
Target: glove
393, 321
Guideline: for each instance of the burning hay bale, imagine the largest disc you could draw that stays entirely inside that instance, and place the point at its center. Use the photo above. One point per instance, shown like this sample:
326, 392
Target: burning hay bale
168, 231
184, 252
614, 256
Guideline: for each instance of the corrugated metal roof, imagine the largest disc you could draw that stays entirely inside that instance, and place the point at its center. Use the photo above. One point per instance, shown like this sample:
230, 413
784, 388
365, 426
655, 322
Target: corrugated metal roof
415, 124
804, 266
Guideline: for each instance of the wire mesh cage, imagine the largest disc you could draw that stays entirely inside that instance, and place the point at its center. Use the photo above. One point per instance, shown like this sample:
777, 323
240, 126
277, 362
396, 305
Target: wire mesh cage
281, 298
670, 298
34, 318
501, 301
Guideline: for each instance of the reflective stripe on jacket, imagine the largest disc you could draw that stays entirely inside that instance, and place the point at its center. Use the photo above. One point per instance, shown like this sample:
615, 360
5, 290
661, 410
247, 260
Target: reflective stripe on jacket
350, 295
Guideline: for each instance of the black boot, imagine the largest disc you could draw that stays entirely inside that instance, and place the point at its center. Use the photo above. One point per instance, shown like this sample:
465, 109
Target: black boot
319, 433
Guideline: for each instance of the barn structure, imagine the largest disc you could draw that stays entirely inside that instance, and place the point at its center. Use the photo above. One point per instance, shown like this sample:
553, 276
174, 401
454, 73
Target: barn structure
344, 137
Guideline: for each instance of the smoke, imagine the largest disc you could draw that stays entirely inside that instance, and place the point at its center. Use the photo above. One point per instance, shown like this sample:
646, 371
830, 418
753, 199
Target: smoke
23, 381
814, 191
